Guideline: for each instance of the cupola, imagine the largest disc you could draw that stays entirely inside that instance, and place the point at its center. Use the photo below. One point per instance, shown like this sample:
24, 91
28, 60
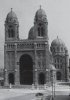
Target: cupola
11, 17
40, 15
58, 46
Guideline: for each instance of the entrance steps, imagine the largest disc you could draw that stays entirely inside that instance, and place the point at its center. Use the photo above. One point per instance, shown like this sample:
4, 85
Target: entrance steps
26, 86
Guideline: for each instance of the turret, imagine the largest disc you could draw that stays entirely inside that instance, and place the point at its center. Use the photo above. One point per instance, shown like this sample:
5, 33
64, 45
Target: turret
11, 27
40, 28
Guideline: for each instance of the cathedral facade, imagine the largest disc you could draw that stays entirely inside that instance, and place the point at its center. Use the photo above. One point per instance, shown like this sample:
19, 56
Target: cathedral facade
30, 61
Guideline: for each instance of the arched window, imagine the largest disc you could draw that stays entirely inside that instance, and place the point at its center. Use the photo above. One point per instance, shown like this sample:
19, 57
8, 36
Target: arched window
10, 32
40, 30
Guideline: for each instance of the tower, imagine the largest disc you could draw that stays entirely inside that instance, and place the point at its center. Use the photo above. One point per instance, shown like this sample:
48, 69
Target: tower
11, 27
11, 36
39, 33
40, 28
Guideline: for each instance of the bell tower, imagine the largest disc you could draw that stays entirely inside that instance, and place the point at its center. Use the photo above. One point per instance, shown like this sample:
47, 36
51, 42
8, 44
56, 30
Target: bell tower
11, 27
41, 24
10, 52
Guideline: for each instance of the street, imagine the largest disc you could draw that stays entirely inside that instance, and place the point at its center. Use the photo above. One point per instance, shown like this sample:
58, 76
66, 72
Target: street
62, 97
61, 93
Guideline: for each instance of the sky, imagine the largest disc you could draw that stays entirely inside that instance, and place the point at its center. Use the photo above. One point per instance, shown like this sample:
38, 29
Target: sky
58, 16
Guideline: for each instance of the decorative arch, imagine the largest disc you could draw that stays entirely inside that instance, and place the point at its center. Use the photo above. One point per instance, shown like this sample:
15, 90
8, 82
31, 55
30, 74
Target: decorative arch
58, 75
11, 32
40, 30
26, 69
11, 78
20, 54
41, 78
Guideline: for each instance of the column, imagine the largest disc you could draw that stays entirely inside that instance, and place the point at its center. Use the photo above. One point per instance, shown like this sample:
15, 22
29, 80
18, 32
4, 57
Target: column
47, 61
35, 69
66, 65
16, 67
5, 66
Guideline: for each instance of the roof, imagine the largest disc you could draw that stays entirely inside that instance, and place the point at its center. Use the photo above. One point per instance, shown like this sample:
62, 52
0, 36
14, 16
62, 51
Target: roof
58, 42
52, 67
11, 17
40, 15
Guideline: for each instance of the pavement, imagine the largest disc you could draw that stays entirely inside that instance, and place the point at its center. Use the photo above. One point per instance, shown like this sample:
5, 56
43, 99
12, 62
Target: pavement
61, 91
62, 97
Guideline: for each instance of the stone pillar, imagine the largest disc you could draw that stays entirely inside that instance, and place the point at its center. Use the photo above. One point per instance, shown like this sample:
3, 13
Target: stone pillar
46, 30
66, 65
16, 67
36, 76
5, 66
47, 61
33, 72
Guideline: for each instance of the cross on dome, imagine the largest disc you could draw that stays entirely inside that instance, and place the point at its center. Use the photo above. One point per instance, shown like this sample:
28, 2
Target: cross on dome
11, 9
40, 6
57, 36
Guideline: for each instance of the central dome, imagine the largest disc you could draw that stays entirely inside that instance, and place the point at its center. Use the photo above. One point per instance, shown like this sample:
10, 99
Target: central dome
40, 15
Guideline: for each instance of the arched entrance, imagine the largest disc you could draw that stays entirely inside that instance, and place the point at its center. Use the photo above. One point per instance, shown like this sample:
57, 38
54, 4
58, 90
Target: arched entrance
11, 78
41, 78
58, 75
26, 70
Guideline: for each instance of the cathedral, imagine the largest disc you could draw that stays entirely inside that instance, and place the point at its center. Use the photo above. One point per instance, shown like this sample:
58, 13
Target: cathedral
30, 61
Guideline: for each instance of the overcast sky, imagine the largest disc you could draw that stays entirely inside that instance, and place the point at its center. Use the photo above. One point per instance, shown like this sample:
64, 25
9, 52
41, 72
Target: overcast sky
58, 15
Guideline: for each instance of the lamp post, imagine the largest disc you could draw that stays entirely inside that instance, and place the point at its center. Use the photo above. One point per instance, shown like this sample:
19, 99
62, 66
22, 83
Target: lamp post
53, 82
54, 85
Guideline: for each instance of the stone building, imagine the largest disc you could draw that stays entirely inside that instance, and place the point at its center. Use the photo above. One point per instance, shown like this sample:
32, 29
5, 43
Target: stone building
60, 59
29, 61
1, 77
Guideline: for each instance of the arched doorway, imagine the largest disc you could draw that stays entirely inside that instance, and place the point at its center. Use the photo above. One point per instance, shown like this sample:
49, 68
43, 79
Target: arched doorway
11, 78
41, 78
58, 75
26, 70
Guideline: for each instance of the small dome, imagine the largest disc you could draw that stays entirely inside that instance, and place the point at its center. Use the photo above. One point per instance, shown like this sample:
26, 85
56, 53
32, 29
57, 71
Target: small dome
52, 67
57, 42
31, 33
11, 17
40, 15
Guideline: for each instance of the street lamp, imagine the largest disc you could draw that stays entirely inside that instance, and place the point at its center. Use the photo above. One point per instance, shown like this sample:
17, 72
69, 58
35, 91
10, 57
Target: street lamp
52, 82
53, 73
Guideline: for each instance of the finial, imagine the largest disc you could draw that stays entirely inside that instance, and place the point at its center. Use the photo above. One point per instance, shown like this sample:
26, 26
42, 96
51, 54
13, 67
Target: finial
57, 36
40, 6
11, 9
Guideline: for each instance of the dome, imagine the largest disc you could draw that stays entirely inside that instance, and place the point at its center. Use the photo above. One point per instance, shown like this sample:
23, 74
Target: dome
31, 33
52, 67
11, 17
40, 15
57, 42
